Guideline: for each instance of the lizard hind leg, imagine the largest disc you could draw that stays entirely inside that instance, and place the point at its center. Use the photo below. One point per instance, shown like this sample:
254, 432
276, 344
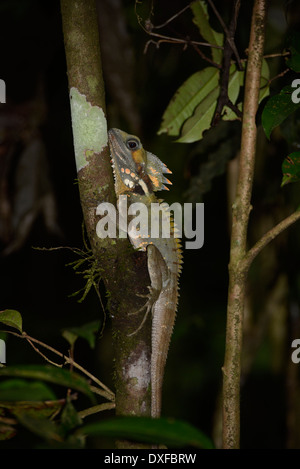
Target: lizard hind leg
152, 297
156, 268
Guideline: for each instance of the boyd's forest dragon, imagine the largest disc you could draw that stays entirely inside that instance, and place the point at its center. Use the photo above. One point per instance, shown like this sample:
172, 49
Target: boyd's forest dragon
138, 174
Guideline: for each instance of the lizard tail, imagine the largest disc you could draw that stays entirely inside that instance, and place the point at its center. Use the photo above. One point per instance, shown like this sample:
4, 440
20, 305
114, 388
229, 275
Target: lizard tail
164, 312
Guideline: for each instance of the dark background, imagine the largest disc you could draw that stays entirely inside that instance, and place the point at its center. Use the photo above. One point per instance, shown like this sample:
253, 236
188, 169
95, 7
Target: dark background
37, 163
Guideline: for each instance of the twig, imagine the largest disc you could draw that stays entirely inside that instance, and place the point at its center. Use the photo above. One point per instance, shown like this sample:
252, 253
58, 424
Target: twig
29, 340
271, 56
207, 59
279, 75
148, 27
230, 32
269, 236
172, 18
223, 99
183, 41
106, 391
96, 408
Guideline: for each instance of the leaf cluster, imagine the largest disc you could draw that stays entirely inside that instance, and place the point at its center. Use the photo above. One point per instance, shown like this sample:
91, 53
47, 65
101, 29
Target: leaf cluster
28, 400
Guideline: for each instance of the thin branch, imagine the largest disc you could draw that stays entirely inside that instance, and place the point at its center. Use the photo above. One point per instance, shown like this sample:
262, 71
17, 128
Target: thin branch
279, 75
207, 59
172, 18
269, 236
106, 391
29, 340
223, 99
96, 408
240, 218
272, 56
229, 32
235, 109
148, 27
182, 41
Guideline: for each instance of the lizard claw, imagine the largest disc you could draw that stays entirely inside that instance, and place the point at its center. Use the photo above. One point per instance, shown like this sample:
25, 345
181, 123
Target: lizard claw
148, 296
152, 297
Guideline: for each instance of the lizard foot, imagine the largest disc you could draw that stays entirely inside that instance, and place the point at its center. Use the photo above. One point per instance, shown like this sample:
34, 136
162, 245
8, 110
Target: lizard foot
152, 297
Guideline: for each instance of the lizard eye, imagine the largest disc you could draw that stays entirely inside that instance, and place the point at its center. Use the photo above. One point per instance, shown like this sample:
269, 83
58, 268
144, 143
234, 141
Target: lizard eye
132, 143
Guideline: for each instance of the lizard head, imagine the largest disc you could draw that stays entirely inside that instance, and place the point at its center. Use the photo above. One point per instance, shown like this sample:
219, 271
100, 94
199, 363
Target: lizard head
135, 169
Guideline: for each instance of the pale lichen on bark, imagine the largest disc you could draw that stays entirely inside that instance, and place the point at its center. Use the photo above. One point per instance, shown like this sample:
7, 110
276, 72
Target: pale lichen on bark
89, 128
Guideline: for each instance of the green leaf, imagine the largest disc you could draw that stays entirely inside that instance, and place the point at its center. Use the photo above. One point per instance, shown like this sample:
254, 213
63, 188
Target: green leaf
291, 168
201, 20
200, 121
22, 390
12, 318
50, 374
235, 82
277, 109
165, 431
191, 93
263, 92
87, 331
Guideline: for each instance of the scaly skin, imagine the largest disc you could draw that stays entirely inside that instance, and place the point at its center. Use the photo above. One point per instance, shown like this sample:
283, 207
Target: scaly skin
138, 174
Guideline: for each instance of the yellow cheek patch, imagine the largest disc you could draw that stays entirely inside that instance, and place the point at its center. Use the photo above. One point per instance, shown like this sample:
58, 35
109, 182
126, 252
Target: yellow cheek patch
138, 156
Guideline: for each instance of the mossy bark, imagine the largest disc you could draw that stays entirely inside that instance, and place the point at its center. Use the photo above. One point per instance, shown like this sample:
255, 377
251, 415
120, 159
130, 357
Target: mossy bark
124, 271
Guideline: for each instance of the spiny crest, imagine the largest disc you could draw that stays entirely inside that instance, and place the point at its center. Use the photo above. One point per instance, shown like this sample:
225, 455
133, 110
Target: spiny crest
155, 169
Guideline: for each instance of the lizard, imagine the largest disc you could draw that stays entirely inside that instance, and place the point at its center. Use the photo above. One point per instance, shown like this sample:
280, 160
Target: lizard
138, 174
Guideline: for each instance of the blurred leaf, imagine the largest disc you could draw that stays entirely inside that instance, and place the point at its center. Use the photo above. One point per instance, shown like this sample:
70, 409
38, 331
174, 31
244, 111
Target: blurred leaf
164, 431
69, 421
7, 432
35, 408
70, 418
22, 390
193, 92
50, 374
293, 61
44, 428
277, 109
71, 337
212, 154
86, 331
11, 318
291, 168
201, 20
